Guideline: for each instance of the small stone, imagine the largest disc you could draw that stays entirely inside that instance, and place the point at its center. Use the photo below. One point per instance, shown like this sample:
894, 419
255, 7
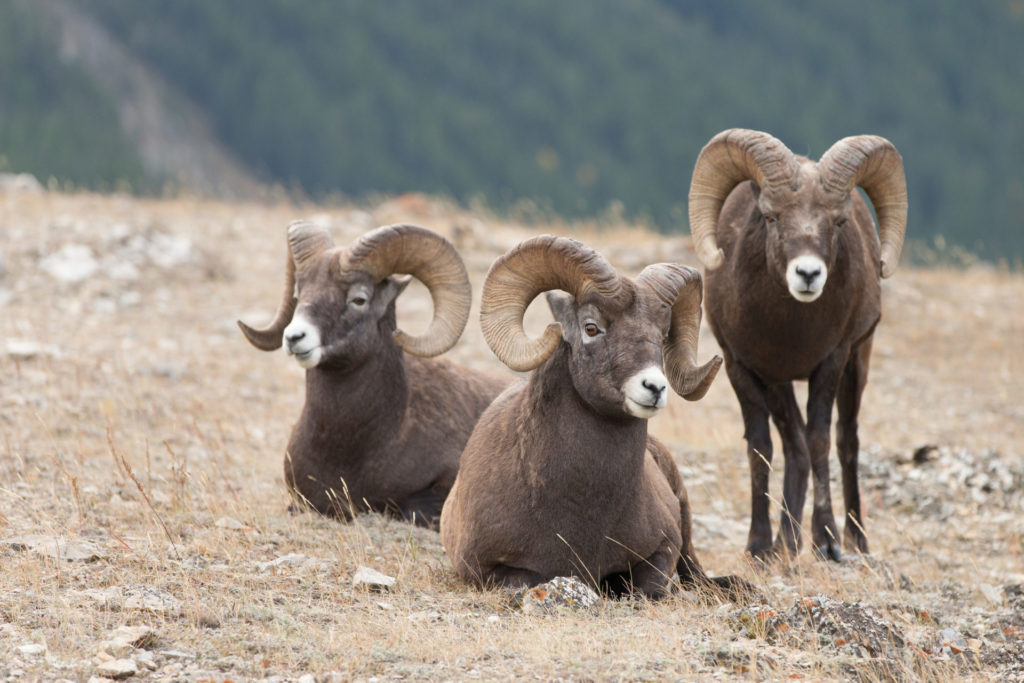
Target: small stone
32, 649
560, 594
494, 619
371, 579
118, 669
386, 606
308, 678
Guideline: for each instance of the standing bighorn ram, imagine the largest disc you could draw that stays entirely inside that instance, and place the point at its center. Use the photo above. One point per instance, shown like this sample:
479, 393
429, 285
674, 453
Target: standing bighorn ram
383, 424
560, 476
793, 293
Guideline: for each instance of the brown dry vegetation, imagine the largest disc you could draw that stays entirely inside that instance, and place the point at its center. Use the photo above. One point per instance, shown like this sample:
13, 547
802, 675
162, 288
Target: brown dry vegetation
133, 415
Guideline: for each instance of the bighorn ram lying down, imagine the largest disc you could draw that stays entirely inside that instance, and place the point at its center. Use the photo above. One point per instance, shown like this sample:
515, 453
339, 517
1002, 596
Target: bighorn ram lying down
560, 476
383, 424
793, 265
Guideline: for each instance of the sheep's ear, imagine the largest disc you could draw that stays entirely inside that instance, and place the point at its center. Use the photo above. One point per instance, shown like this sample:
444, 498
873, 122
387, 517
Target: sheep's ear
563, 307
389, 289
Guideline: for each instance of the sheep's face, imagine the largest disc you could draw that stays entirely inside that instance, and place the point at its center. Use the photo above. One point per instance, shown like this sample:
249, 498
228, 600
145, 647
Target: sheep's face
342, 317
615, 355
801, 229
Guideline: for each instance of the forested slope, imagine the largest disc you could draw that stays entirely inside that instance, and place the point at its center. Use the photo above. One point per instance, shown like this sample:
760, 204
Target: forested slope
572, 105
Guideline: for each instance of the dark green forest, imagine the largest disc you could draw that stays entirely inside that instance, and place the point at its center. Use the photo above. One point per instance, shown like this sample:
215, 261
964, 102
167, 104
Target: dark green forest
574, 105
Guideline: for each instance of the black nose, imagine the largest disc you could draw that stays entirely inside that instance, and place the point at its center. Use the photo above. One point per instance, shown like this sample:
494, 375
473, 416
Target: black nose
655, 389
292, 338
809, 276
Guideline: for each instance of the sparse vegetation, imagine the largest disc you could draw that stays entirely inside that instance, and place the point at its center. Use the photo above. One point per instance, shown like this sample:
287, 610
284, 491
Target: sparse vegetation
139, 365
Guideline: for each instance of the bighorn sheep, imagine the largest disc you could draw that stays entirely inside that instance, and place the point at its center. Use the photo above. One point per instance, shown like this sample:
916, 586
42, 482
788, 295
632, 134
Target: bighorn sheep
560, 476
793, 292
383, 424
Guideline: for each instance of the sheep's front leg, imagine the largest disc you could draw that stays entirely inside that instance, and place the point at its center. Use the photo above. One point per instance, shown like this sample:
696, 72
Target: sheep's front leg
651, 576
790, 423
821, 393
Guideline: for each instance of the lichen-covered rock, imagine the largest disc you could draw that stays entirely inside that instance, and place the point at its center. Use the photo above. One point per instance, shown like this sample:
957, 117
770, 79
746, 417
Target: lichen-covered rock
560, 594
847, 627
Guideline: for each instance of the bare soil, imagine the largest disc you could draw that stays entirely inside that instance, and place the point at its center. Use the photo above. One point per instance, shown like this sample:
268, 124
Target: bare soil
140, 430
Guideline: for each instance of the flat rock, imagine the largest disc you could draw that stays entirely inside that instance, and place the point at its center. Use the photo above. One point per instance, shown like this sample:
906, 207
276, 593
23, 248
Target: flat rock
371, 579
57, 547
560, 595
118, 669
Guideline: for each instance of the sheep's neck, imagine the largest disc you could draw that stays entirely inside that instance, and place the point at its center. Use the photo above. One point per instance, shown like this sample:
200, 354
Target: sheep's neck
348, 412
571, 452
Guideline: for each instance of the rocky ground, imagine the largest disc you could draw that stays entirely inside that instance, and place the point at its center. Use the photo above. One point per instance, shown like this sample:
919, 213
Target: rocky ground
144, 529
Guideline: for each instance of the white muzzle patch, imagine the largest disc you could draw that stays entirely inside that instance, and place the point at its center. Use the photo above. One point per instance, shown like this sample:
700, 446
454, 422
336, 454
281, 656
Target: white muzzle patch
805, 276
302, 340
646, 392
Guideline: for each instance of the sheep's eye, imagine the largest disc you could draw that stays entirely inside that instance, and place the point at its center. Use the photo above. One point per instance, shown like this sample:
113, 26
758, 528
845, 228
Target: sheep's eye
769, 219
841, 221
358, 301
591, 329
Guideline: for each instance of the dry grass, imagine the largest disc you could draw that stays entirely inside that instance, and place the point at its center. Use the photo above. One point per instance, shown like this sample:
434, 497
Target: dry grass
139, 418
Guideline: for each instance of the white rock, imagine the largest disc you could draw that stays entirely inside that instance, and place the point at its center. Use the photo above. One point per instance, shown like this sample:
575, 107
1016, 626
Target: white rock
72, 264
57, 547
372, 579
118, 669
32, 649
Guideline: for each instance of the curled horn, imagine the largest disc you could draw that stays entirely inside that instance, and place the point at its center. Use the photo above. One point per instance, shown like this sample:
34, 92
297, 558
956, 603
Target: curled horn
431, 259
305, 240
873, 163
727, 160
538, 265
681, 288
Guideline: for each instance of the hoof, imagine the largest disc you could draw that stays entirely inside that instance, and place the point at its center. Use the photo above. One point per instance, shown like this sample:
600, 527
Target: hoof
828, 551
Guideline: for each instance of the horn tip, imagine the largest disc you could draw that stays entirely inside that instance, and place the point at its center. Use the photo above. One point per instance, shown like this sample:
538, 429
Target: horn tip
261, 340
712, 260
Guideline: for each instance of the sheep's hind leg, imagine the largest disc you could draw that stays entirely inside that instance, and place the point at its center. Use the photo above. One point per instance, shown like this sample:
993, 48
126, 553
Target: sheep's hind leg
851, 387
750, 393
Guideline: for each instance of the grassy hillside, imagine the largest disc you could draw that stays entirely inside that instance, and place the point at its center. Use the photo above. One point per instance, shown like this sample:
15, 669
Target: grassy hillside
582, 106
140, 428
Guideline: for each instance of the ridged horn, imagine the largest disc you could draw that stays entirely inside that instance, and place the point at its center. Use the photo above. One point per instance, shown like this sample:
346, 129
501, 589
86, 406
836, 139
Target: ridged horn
305, 240
727, 160
873, 163
431, 259
538, 265
681, 288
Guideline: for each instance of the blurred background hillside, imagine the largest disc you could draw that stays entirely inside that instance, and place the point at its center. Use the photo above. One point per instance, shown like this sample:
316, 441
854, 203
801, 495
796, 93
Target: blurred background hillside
578, 108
